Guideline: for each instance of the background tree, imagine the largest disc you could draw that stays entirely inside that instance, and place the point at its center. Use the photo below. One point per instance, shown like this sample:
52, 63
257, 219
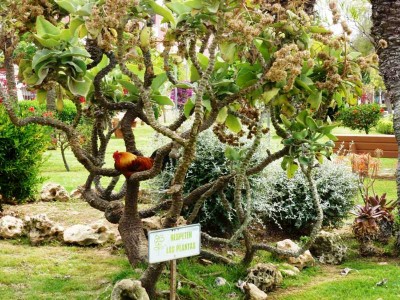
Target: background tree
387, 38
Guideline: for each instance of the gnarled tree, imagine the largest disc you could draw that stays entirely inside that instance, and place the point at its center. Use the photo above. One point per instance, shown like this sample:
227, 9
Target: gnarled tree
246, 59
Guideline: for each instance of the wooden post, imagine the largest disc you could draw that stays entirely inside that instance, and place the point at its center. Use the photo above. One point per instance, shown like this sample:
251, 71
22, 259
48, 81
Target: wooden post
172, 295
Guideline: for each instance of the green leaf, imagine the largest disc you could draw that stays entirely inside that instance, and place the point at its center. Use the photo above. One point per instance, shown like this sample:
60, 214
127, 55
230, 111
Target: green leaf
132, 89
338, 98
48, 43
45, 27
228, 51
85, 10
222, 114
318, 29
183, 85
203, 60
354, 55
68, 5
233, 123
75, 24
196, 4
291, 169
187, 108
178, 8
332, 137
304, 160
79, 87
300, 135
162, 100
301, 117
158, 81
194, 75
311, 123
162, 11
245, 78
315, 100
269, 95
41, 96
285, 121
207, 104
232, 154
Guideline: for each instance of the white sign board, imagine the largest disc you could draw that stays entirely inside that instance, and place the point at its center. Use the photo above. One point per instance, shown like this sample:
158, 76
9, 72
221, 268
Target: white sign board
172, 243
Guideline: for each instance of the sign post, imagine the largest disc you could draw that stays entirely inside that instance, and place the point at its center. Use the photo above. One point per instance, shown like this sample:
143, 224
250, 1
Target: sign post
173, 243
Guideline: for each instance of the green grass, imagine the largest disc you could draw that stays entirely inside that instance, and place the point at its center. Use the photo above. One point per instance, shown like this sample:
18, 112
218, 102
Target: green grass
358, 284
54, 171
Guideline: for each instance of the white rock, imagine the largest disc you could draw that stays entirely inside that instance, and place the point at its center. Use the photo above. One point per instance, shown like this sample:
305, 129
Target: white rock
254, 293
302, 261
76, 194
40, 229
129, 289
84, 235
220, 281
53, 192
11, 227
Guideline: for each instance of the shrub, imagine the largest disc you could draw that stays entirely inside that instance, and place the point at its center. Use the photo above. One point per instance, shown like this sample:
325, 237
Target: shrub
385, 126
288, 204
21, 156
66, 115
360, 117
210, 163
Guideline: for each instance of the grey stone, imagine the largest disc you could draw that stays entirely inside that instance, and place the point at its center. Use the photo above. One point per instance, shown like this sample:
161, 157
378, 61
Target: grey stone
11, 227
254, 293
302, 261
220, 281
128, 289
41, 229
266, 277
53, 192
329, 248
85, 235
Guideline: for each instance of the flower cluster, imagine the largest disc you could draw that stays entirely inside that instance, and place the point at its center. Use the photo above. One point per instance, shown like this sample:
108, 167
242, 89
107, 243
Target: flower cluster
288, 64
180, 96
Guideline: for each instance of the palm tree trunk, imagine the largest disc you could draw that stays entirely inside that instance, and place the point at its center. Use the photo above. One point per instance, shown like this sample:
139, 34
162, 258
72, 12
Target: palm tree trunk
386, 24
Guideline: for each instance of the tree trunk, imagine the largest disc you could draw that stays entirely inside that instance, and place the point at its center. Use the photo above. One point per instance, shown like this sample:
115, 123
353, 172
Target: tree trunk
63, 148
51, 99
386, 24
10, 74
150, 278
130, 227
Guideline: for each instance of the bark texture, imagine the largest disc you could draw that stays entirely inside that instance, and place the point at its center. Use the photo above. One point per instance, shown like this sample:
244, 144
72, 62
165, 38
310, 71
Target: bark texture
386, 26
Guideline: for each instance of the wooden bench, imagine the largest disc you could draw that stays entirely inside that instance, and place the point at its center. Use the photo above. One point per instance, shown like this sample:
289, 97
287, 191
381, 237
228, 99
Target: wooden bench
368, 144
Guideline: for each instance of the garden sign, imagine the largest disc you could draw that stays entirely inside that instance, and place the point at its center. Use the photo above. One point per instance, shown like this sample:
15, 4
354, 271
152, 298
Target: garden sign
173, 243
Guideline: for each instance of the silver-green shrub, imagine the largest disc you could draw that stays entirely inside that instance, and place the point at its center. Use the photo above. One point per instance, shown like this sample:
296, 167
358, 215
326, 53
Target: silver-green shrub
288, 204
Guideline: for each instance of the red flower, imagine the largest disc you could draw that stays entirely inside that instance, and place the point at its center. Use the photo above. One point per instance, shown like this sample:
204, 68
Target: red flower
125, 91
31, 109
82, 99
48, 114
382, 110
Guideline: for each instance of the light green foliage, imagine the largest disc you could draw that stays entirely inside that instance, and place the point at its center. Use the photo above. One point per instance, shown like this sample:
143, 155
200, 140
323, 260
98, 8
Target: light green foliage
288, 203
21, 156
385, 125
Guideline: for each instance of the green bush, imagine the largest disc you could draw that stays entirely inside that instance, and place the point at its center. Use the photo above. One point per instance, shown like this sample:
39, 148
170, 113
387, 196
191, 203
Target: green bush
360, 117
21, 156
385, 126
66, 115
288, 203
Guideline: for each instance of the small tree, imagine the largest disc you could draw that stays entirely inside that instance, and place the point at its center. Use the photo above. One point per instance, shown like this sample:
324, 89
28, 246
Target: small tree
246, 59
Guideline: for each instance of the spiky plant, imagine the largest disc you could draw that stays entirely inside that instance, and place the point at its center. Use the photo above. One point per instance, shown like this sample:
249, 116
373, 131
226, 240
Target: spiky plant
386, 221
365, 226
